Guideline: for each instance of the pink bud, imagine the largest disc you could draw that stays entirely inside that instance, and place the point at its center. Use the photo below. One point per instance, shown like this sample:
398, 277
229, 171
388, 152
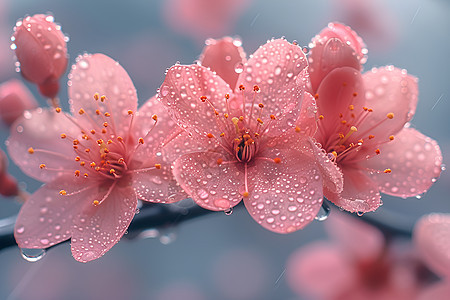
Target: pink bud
335, 46
8, 184
15, 98
42, 52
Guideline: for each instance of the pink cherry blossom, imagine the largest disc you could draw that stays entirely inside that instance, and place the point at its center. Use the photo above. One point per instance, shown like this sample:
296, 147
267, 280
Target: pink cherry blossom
245, 145
364, 127
94, 163
355, 264
203, 18
335, 46
15, 98
432, 237
41, 50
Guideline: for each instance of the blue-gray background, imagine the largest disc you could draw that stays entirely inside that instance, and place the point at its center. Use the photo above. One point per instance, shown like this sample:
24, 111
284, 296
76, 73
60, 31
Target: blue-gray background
219, 256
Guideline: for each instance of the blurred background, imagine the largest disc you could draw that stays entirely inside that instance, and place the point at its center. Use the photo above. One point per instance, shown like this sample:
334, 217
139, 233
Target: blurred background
220, 256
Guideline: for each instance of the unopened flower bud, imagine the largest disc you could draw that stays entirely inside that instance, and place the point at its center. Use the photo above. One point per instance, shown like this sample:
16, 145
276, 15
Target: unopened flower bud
15, 98
41, 50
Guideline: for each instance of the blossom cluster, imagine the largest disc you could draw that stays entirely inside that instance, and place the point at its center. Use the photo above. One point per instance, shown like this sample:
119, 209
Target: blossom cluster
279, 130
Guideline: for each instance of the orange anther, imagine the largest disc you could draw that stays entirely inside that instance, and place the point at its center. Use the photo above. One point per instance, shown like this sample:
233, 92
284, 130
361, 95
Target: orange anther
92, 164
155, 118
158, 166
77, 158
120, 139
130, 112
277, 160
103, 130
256, 88
210, 135
31, 150
355, 94
377, 151
58, 109
121, 160
222, 134
297, 129
390, 115
77, 173
62, 192
100, 141
344, 122
226, 116
321, 117
81, 111
82, 163
241, 118
75, 142
109, 142
141, 141
107, 114
63, 135
112, 171
316, 96
227, 96
203, 98
96, 202
42, 166
105, 124
245, 194
391, 137
371, 137
260, 121
97, 112
273, 117
241, 87
85, 175
351, 107
261, 105
103, 98
87, 150
387, 171
219, 161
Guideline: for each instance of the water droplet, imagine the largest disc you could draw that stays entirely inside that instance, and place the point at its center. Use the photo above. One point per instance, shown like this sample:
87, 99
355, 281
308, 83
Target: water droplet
237, 42
419, 197
277, 70
149, 234
360, 213
228, 211
167, 238
83, 64
305, 50
203, 194
239, 68
13, 46
20, 230
323, 213
32, 255
164, 90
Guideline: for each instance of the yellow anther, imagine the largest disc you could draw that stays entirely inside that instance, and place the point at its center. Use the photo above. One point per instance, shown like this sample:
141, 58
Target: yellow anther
219, 161
92, 164
121, 160
241, 118
334, 153
100, 141
222, 134
96, 96
105, 124
103, 98
155, 117
225, 115
391, 137
107, 114
96, 202
387, 171
353, 129
277, 160
77, 173
158, 166
112, 171
260, 121
141, 141
97, 169
351, 107
97, 112
58, 109
62, 192
81, 111
77, 158
86, 175
42, 166
120, 139
109, 142
31, 150
344, 122
321, 117
210, 135
63, 135
256, 134
390, 115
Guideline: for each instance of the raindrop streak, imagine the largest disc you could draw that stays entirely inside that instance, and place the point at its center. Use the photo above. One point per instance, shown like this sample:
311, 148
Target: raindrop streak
323, 213
228, 211
32, 255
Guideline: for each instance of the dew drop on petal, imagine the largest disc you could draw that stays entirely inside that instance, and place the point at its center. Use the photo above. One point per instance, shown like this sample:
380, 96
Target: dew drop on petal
228, 211
32, 255
323, 213
239, 68
83, 64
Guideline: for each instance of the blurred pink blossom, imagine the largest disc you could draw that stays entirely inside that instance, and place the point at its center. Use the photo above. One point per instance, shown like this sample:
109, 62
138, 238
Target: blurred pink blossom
363, 124
41, 50
8, 184
243, 142
356, 264
203, 18
15, 98
95, 164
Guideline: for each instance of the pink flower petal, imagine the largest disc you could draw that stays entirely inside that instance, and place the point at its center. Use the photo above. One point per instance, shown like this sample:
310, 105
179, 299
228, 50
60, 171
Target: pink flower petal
158, 186
41, 130
388, 90
181, 93
285, 196
340, 88
15, 98
328, 55
431, 236
97, 228
360, 240
45, 219
100, 74
307, 121
153, 134
437, 291
212, 185
279, 69
320, 270
415, 161
183, 144
360, 192
224, 56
